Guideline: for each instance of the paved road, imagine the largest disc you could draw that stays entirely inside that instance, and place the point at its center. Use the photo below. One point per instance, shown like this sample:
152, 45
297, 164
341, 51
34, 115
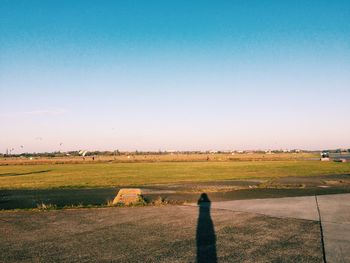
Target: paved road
334, 212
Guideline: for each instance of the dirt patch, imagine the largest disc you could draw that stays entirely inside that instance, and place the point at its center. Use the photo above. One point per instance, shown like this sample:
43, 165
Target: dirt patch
335, 182
312, 181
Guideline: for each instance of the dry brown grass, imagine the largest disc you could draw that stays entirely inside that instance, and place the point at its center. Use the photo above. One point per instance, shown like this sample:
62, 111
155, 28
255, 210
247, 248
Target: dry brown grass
217, 157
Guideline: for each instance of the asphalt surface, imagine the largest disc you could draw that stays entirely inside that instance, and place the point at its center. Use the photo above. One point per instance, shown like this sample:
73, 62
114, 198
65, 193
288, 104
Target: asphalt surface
169, 233
292, 229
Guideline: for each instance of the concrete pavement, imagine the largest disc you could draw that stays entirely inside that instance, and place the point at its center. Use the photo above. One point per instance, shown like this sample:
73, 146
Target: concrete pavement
335, 217
287, 207
334, 212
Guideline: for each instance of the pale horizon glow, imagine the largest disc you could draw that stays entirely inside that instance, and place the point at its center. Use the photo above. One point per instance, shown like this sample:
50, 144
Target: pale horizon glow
174, 75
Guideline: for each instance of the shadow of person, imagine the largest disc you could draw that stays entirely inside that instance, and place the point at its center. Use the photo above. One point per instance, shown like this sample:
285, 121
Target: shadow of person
205, 235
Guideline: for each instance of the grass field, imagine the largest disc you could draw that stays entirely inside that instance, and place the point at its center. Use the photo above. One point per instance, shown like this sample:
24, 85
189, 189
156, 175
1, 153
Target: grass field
45, 176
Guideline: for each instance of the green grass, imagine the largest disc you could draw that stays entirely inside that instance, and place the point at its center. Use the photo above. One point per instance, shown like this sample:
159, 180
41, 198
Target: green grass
132, 174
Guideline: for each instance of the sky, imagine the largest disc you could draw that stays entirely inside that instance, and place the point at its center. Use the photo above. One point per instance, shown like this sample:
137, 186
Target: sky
174, 75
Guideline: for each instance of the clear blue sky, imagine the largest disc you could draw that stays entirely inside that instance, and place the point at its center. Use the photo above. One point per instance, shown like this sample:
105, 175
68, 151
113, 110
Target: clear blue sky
174, 75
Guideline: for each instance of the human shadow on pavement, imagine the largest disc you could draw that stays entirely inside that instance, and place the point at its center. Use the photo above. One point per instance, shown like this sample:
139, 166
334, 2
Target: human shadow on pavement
205, 235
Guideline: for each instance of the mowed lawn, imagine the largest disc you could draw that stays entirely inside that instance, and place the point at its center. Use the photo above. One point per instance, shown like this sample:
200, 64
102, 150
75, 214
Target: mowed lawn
133, 174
